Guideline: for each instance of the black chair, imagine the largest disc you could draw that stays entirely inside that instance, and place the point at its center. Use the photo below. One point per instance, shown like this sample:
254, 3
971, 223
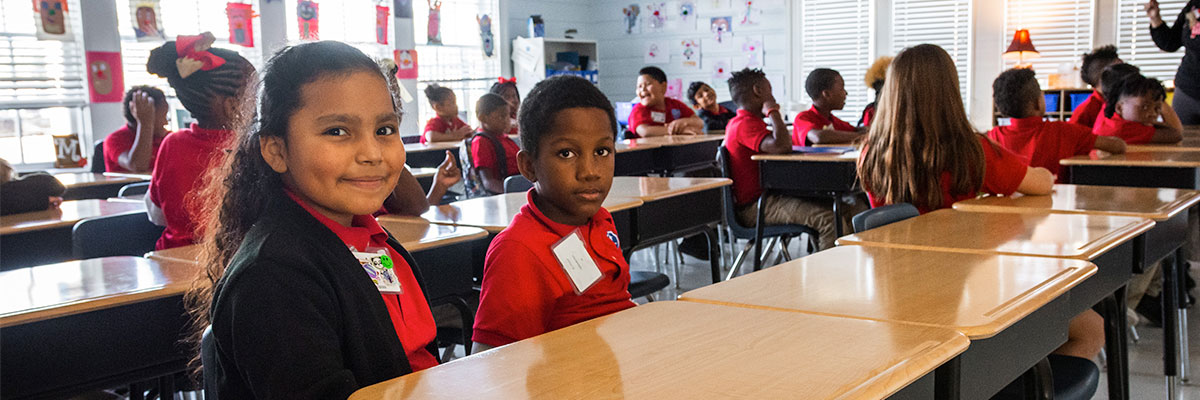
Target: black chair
98, 158
114, 235
134, 189
517, 183
208, 358
740, 231
880, 216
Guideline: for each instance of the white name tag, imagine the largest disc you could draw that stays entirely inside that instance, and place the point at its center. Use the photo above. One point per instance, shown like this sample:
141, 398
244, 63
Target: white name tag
659, 117
379, 268
575, 260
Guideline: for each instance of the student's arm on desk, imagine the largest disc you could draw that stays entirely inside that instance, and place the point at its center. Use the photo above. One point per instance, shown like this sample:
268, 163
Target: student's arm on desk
1111, 144
453, 135
692, 125
1171, 129
1037, 181
780, 140
646, 130
831, 136
153, 211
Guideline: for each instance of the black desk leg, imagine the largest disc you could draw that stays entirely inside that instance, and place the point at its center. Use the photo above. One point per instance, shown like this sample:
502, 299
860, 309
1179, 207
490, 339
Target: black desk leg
1181, 281
1170, 324
1038, 381
714, 252
1115, 328
947, 380
758, 232
837, 217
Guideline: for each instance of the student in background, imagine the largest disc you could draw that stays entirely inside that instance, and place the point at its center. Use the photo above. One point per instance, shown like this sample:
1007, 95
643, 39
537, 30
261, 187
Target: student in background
704, 98
215, 86
1018, 96
33, 192
307, 296
445, 126
818, 125
493, 153
134, 146
657, 115
568, 135
407, 198
1094, 64
1132, 109
747, 135
507, 88
874, 79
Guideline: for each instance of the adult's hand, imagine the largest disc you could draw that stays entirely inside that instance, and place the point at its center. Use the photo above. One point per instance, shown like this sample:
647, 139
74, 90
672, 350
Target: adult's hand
1154, 13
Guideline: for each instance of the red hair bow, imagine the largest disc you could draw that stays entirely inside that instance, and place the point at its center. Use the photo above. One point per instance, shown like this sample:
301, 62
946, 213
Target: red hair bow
194, 55
512, 80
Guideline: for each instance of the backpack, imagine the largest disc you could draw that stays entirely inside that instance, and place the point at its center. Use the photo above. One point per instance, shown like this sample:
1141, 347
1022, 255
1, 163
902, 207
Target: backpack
472, 177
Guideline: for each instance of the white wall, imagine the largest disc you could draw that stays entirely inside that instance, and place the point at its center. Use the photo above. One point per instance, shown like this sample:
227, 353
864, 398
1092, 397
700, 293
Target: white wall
558, 15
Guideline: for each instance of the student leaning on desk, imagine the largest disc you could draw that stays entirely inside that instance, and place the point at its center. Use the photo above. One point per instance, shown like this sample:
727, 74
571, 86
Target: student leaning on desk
33, 192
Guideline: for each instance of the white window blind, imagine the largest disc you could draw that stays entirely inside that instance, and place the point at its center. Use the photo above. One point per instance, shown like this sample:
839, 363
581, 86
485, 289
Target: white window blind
1134, 42
1061, 30
458, 63
946, 23
834, 35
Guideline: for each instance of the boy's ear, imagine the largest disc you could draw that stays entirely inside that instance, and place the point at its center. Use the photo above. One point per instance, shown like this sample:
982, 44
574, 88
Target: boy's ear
525, 165
274, 152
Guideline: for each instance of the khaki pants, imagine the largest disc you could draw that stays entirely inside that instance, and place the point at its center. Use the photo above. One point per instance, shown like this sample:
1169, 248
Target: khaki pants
813, 213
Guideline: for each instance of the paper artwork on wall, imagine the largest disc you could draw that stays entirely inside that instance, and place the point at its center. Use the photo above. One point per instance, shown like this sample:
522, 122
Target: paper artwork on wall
721, 27
689, 54
749, 12
657, 52
51, 19
434, 29
675, 89
632, 12
308, 18
751, 53
406, 64
485, 35
106, 83
241, 23
656, 16
147, 27
382, 14
720, 68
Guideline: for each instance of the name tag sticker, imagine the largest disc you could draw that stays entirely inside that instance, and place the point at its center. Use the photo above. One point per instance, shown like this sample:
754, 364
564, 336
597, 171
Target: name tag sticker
659, 117
378, 266
575, 260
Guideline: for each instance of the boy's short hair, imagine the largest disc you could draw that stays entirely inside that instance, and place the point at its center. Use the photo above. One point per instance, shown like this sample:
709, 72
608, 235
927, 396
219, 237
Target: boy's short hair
741, 83
1094, 63
160, 99
819, 80
693, 89
552, 95
654, 72
437, 94
489, 103
1014, 90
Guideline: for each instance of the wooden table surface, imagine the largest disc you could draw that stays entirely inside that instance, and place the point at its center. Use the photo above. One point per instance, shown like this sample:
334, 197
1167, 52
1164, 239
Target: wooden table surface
432, 146
655, 188
684, 350
1158, 204
826, 157
673, 140
184, 254
1075, 236
978, 295
85, 179
627, 146
67, 214
1189, 143
1163, 158
423, 172
73, 287
493, 213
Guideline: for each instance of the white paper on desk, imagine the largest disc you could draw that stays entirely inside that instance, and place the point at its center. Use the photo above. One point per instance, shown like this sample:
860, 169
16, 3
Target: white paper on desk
575, 260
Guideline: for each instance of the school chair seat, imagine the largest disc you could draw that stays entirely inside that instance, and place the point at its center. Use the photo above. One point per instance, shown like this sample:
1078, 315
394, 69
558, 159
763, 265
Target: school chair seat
98, 158
134, 189
517, 183
114, 235
208, 358
646, 283
1073, 378
880, 216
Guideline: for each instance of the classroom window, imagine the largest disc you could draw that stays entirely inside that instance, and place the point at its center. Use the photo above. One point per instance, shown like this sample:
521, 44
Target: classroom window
1061, 30
458, 63
1134, 42
832, 36
946, 23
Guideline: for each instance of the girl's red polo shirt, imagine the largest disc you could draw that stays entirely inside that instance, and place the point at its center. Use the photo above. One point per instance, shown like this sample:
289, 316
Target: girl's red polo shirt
184, 159
121, 141
1132, 132
1043, 143
1088, 112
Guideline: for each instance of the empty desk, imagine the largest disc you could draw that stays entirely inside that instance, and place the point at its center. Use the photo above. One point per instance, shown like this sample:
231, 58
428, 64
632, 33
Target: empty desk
42, 237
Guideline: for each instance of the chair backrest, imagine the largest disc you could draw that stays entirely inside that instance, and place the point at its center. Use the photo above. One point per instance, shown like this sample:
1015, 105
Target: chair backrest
880, 216
623, 109
731, 219
134, 189
114, 235
517, 183
98, 158
208, 359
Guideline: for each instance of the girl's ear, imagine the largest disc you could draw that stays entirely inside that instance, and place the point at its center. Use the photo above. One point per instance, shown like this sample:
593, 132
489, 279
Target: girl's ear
525, 165
274, 152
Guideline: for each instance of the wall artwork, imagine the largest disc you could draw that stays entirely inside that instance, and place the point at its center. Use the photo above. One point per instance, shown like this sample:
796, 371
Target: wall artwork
485, 35
147, 27
656, 16
51, 20
631, 18
749, 12
675, 89
721, 27
106, 82
308, 18
434, 28
689, 54
406, 64
381, 24
752, 53
657, 52
241, 23
720, 68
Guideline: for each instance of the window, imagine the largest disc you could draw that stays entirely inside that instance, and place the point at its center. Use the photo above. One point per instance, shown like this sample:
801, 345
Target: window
458, 63
1061, 31
42, 82
946, 23
833, 36
1135, 45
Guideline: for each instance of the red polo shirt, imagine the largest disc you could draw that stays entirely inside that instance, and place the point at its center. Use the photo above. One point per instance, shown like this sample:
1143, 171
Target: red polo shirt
439, 124
670, 110
121, 141
525, 291
187, 157
1087, 112
408, 311
812, 119
1002, 175
743, 135
483, 154
1043, 143
1132, 132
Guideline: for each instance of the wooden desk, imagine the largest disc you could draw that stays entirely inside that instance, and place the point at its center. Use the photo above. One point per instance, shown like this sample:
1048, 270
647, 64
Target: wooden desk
683, 153
43, 237
1189, 143
186, 254
424, 177
430, 155
696, 351
653, 188
1012, 308
88, 185
663, 217
494, 213
92, 324
1170, 169
634, 158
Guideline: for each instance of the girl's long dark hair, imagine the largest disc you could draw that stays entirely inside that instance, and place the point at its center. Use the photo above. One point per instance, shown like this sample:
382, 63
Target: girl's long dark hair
245, 186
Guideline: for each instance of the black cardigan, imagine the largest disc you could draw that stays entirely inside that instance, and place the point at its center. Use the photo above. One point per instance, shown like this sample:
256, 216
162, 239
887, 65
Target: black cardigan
1170, 37
29, 193
295, 316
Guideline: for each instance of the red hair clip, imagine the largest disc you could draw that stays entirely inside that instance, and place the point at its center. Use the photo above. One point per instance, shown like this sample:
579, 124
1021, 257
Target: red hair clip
194, 55
512, 80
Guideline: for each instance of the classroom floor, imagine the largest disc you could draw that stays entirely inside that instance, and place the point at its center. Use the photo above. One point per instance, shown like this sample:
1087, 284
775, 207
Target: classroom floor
1145, 356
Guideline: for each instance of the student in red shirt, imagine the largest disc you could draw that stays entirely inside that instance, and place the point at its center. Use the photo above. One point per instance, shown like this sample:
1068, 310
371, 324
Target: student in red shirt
874, 79
493, 153
307, 296
1018, 96
818, 125
507, 88
568, 136
704, 98
133, 147
1132, 110
445, 126
214, 85
657, 115
1094, 64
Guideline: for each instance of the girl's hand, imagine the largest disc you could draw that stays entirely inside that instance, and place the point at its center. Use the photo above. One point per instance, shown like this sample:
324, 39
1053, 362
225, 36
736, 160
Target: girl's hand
142, 108
1154, 13
55, 201
448, 174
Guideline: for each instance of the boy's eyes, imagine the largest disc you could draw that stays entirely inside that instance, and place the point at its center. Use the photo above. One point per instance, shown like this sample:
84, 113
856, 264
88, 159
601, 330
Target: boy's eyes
603, 151
564, 153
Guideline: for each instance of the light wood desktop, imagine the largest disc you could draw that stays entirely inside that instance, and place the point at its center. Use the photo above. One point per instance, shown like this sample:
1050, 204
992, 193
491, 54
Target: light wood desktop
421, 173
431, 146
65, 215
689, 350
493, 213
823, 157
673, 140
86, 179
655, 188
1164, 158
627, 146
1151, 203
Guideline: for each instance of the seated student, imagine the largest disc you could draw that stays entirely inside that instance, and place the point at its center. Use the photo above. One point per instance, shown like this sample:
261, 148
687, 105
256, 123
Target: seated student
307, 295
704, 98
874, 79
407, 198
32, 192
1019, 96
217, 94
133, 147
445, 126
747, 135
818, 125
1094, 64
1132, 109
493, 153
507, 88
568, 135
657, 115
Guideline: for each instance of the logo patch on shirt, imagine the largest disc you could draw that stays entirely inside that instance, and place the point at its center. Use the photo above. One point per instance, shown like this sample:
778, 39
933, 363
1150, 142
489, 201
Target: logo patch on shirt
613, 237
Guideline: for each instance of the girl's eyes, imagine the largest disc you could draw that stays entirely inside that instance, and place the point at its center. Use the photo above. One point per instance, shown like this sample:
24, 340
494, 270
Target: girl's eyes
386, 131
337, 132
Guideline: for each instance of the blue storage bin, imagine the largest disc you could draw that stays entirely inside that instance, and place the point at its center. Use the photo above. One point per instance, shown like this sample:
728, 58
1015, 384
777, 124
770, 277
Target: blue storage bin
1078, 98
1052, 102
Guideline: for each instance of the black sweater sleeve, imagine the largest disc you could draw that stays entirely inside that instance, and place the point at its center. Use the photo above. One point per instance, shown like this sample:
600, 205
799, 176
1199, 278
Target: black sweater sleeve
29, 193
1169, 37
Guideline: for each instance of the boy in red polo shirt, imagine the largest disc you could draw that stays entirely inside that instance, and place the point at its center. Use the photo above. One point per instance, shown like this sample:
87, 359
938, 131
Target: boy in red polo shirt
559, 262
1093, 64
1132, 110
134, 146
818, 125
657, 115
1043, 143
